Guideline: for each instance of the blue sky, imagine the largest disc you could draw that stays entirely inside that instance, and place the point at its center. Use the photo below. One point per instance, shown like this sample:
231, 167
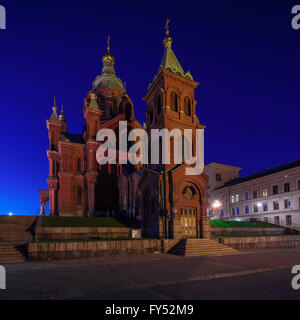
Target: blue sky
244, 54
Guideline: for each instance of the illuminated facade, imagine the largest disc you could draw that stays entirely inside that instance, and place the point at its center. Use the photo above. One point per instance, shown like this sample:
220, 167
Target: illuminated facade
272, 195
162, 197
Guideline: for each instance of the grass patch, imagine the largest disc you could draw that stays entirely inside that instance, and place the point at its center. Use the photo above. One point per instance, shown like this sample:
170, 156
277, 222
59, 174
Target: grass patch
90, 222
254, 235
240, 224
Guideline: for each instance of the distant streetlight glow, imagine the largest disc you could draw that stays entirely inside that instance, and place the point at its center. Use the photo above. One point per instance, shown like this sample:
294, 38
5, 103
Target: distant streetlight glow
259, 204
216, 204
10, 214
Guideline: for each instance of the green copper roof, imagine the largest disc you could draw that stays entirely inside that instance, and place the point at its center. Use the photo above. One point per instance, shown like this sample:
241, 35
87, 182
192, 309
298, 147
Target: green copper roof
93, 103
54, 116
108, 78
170, 62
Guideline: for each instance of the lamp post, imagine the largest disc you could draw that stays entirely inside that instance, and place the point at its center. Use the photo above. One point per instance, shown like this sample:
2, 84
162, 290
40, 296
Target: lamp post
216, 205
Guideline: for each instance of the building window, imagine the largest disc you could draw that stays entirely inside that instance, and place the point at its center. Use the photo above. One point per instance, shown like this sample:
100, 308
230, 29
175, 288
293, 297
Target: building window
265, 206
222, 213
264, 192
238, 210
78, 165
79, 196
158, 104
233, 211
218, 177
232, 199
151, 116
287, 203
236, 198
187, 106
275, 189
287, 187
246, 196
152, 206
174, 102
255, 208
246, 209
266, 219
288, 220
254, 194
275, 205
276, 220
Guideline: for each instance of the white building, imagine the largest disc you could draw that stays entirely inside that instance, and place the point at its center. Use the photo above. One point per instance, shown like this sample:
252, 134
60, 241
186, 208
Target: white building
272, 195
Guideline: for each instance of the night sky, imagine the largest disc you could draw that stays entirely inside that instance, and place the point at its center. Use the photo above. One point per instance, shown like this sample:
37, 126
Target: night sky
244, 54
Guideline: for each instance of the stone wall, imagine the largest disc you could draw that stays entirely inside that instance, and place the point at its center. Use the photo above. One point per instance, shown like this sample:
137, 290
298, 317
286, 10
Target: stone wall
206, 229
60, 233
246, 243
247, 231
88, 249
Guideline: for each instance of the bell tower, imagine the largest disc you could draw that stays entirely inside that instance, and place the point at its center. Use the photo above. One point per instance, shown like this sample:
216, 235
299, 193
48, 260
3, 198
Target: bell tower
170, 98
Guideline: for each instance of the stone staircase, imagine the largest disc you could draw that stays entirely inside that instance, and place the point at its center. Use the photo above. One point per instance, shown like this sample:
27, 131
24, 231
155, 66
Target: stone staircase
12, 253
201, 247
15, 233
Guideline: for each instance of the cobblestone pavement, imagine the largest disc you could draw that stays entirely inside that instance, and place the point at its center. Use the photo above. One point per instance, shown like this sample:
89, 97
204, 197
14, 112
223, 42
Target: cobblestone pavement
264, 274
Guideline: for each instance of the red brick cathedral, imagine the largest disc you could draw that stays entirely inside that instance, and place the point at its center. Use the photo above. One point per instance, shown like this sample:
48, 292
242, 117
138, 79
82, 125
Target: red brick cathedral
165, 200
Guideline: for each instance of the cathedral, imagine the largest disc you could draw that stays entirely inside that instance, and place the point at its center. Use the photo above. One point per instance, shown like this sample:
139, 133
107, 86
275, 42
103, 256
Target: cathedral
167, 202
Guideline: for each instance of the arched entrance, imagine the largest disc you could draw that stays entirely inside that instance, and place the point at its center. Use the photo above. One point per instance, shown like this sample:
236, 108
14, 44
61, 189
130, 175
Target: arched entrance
190, 209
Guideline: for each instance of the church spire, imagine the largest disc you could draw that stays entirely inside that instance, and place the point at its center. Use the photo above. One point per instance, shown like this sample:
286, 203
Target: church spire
169, 60
54, 116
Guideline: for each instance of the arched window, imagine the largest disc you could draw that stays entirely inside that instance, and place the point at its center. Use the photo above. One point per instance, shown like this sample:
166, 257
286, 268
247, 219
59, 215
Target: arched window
188, 192
78, 165
102, 100
79, 196
115, 106
187, 106
152, 205
174, 102
128, 111
151, 116
158, 104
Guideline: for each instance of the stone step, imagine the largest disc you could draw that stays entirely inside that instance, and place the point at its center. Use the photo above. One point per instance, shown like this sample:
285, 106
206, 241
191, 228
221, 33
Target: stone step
12, 260
211, 253
201, 247
11, 251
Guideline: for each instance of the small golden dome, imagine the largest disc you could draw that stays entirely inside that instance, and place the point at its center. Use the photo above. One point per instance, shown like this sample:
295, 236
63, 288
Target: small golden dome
62, 116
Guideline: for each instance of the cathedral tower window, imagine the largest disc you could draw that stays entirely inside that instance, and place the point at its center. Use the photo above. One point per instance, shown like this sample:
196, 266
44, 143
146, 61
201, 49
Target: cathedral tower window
158, 104
187, 106
174, 102
151, 116
78, 165
79, 196
102, 99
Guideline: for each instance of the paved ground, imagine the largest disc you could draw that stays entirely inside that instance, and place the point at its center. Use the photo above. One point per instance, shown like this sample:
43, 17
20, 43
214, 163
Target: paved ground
251, 275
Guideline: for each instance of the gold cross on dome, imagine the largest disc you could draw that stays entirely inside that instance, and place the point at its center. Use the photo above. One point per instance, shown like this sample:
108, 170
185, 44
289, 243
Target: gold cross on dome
108, 48
167, 27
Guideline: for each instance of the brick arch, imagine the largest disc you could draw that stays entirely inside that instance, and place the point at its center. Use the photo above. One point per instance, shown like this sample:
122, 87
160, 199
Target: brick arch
185, 182
198, 201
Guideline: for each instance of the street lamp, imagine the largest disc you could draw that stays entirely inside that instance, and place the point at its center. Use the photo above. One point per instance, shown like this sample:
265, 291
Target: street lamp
216, 204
